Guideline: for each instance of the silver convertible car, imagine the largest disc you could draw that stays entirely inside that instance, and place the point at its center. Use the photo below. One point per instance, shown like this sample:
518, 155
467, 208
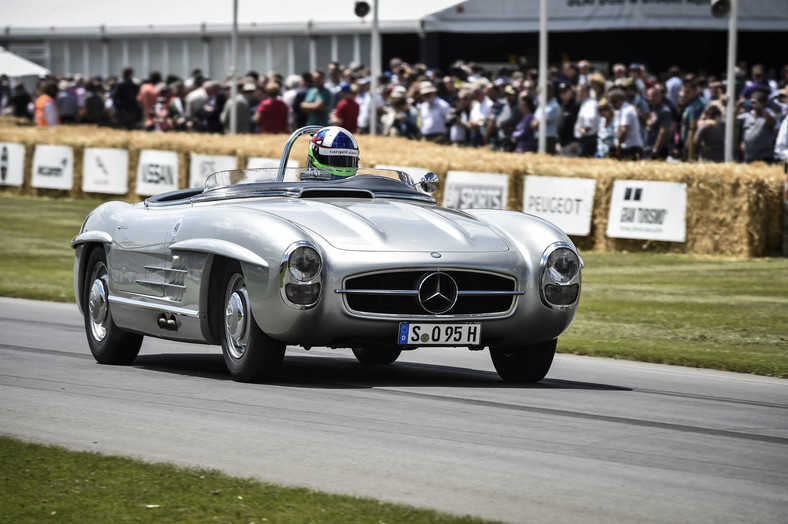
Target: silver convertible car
261, 259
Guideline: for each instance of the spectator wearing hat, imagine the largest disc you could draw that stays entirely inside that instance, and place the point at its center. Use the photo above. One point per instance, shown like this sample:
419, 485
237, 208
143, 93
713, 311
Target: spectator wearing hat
271, 115
400, 118
587, 123
506, 120
626, 128
347, 109
242, 110
433, 111
67, 105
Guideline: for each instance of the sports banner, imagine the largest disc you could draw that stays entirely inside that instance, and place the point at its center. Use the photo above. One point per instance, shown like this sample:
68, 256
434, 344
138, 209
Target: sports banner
12, 164
53, 167
105, 170
475, 190
566, 202
648, 210
202, 166
157, 172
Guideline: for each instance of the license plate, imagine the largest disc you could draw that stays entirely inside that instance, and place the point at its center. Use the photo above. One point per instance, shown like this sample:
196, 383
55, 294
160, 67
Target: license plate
439, 334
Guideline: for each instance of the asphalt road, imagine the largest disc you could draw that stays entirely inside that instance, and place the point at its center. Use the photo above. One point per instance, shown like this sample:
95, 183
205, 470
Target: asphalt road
597, 441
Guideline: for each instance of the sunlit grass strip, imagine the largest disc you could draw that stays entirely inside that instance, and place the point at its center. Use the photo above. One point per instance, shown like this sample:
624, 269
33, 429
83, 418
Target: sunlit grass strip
50, 484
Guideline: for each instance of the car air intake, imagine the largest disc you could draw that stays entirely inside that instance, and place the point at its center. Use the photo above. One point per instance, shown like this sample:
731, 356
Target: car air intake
404, 293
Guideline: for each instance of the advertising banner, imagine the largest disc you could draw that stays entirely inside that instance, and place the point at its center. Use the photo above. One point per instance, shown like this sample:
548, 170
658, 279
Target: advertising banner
648, 210
566, 202
202, 166
12, 164
157, 172
105, 170
53, 167
475, 190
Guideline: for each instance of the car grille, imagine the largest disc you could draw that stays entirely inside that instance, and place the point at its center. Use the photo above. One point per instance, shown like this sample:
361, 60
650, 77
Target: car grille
396, 293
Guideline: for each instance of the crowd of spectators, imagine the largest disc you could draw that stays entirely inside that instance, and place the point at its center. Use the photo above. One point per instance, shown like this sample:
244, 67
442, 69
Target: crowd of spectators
629, 114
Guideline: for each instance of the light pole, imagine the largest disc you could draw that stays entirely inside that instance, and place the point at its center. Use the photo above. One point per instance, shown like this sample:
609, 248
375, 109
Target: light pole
374, 71
542, 75
233, 70
730, 91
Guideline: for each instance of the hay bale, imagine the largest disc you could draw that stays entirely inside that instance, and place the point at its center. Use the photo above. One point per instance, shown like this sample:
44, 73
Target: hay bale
731, 208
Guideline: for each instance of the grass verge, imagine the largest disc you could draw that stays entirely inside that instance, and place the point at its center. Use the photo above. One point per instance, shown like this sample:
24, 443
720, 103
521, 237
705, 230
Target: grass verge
50, 484
701, 311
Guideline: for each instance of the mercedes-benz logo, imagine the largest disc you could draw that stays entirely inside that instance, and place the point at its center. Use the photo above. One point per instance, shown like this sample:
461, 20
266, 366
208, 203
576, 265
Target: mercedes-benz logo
437, 293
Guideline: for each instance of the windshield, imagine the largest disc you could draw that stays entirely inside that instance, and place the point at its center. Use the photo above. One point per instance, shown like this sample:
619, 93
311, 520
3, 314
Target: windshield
292, 174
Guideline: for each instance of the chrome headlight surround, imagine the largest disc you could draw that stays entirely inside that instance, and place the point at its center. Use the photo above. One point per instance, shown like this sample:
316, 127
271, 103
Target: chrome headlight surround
300, 275
559, 286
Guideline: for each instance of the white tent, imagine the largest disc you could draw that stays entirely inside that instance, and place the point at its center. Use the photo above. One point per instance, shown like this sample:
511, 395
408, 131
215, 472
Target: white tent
15, 66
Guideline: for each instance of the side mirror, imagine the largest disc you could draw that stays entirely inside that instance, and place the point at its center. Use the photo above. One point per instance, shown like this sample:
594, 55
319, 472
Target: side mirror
429, 182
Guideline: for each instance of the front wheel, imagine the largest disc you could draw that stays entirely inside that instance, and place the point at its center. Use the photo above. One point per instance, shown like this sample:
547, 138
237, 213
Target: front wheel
108, 343
250, 354
524, 363
384, 355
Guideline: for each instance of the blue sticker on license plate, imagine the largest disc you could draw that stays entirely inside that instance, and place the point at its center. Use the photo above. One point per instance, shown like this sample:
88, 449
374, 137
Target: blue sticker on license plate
439, 334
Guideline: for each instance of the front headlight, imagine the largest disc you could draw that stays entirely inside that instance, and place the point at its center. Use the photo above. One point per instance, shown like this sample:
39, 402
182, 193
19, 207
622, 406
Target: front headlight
300, 279
563, 265
560, 276
304, 263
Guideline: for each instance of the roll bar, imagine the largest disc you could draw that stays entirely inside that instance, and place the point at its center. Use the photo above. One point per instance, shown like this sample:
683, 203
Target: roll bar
280, 175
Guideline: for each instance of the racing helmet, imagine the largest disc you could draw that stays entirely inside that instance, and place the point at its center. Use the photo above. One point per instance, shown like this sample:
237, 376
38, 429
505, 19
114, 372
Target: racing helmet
333, 150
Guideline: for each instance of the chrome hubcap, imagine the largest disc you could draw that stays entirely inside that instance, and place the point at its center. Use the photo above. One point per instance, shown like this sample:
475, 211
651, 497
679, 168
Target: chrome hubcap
98, 306
236, 317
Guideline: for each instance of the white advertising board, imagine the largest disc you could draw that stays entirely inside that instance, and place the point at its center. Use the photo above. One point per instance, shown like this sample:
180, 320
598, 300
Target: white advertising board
566, 202
475, 190
648, 210
202, 166
157, 172
53, 167
105, 170
12, 164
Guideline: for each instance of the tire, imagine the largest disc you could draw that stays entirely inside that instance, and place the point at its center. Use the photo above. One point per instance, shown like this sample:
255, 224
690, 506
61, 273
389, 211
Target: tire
108, 343
384, 355
523, 364
250, 354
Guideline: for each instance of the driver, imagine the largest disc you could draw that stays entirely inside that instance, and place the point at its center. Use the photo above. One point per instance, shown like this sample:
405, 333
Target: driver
333, 154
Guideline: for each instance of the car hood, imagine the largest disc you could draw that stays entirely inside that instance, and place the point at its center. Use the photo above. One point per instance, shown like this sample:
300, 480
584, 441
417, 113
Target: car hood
388, 225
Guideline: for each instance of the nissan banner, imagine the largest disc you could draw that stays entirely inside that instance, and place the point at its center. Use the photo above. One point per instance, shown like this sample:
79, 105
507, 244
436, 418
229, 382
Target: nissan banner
566, 202
475, 190
105, 170
157, 172
53, 167
648, 210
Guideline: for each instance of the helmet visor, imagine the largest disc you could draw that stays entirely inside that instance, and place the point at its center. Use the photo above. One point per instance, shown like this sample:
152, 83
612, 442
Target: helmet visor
336, 158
